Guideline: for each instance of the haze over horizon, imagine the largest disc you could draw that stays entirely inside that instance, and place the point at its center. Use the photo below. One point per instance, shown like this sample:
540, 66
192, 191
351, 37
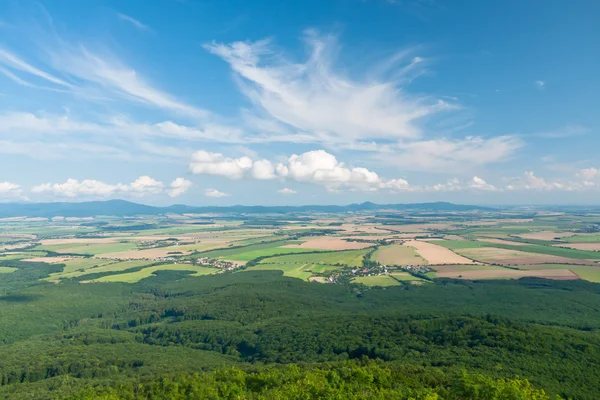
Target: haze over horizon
339, 102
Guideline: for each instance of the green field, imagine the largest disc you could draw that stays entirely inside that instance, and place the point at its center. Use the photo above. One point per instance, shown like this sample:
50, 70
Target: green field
89, 248
302, 271
588, 273
351, 258
7, 270
397, 254
379, 280
103, 266
133, 277
583, 239
21, 255
404, 276
251, 252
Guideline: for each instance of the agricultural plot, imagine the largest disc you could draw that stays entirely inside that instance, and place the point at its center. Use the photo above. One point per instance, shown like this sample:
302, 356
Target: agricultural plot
88, 248
301, 271
329, 243
466, 268
397, 254
561, 274
404, 276
435, 254
583, 239
379, 280
590, 246
251, 252
546, 235
351, 258
7, 270
98, 269
133, 277
494, 255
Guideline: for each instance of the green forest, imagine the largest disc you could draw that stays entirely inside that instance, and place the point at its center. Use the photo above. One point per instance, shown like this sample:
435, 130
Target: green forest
260, 335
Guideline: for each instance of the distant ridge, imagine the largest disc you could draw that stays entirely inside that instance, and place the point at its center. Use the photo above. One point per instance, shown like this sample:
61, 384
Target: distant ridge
121, 208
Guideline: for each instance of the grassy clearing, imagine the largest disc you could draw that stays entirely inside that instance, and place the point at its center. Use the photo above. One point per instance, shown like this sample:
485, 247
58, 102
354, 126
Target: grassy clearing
461, 268
352, 258
133, 277
301, 271
322, 269
7, 270
380, 280
396, 254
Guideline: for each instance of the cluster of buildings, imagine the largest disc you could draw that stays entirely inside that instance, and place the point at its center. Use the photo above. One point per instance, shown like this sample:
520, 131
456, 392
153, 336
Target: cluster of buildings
216, 263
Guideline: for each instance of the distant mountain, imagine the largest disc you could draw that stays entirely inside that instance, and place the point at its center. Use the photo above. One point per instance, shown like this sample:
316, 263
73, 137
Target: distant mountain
121, 208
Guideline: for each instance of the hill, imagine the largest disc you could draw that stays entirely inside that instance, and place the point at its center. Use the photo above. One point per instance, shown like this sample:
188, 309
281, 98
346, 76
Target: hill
120, 208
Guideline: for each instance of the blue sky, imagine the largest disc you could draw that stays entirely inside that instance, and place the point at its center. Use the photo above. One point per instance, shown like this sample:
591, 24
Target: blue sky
298, 102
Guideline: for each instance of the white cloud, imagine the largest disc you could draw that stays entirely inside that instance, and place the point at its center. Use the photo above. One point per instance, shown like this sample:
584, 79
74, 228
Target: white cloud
540, 84
589, 174
452, 155
215, 193
143, 185
529, 181
12, 61
312, 98
204, 162
74, 188
480, 184
318, 166
10, 190
263, 170
133, 21
287, 191
179, 186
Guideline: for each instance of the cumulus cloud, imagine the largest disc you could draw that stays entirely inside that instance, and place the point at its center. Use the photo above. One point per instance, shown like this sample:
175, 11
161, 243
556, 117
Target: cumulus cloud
178, 187
286, 191
145, 185
318, 166
539, 84
589, 174
10, 190
74, 188
204, 162
311, 97
586, 179
480, 184
215, 193
142, 186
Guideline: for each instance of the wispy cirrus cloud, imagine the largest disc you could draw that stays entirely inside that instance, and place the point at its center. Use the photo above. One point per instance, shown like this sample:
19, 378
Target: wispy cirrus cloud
312, 98
141, 26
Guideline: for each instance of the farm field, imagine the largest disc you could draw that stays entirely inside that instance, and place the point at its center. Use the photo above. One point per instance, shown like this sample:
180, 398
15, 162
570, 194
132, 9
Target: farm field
352, 258
404, 276
590, 246
329, 243
98, 269
583, 239
503, 256
301, 271
380, 280
561, 274
133, 277
7, 270
88, 248
397, 254
435, 254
